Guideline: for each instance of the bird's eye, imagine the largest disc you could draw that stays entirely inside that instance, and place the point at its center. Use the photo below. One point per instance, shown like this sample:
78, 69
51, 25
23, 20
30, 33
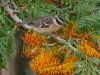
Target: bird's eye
59, 21
60, 18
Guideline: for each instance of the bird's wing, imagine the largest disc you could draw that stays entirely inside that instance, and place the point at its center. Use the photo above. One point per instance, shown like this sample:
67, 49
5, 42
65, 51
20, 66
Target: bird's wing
43, 22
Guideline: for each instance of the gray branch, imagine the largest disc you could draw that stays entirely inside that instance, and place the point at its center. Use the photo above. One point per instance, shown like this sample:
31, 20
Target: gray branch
16, 19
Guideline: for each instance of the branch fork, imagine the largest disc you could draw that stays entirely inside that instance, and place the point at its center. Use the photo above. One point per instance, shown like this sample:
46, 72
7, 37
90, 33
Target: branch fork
16, 19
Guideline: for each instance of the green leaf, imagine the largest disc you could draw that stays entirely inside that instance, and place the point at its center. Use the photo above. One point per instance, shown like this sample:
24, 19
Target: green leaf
62, 1
94, 60
30, 29
80, 54
46, 47
2, 65
0, 10
88, 70
60, 55
66, 2
77, 71
82, 73
98, 68
90, 19
95, 71
35, 12
74, 43
98, 40
63, 47
79, 63
70, 4
2, 50
63, 41
52, 52
68, 52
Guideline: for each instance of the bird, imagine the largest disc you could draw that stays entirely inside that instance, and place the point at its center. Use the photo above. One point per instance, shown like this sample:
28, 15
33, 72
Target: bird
46, 24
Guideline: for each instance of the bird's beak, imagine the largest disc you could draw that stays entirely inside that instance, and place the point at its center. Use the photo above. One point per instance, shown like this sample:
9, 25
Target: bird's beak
64, 25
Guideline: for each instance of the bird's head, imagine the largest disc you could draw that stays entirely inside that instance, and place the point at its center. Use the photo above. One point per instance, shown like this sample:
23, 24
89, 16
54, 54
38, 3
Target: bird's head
60, 21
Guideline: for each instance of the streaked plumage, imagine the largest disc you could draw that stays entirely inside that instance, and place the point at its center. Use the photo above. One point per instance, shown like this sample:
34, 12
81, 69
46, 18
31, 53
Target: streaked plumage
46, 24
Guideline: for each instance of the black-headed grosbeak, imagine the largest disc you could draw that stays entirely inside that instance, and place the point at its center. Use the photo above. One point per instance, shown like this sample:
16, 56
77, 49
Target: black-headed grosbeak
47, 24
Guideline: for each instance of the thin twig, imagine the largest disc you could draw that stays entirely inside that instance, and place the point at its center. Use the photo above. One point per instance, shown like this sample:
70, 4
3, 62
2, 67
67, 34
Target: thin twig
65, 42
69, 44
15, 6
14, 16
86, 62
16, 19
89, 34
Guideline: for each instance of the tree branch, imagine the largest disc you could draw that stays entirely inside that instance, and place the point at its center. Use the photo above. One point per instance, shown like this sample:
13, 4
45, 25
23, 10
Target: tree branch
16, 19
65, 42
14, 16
